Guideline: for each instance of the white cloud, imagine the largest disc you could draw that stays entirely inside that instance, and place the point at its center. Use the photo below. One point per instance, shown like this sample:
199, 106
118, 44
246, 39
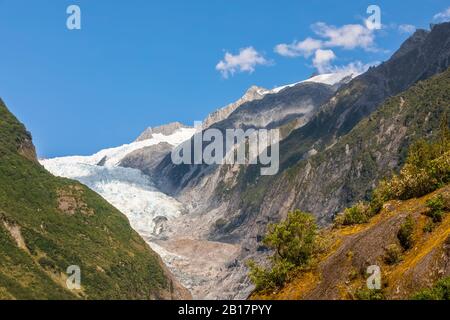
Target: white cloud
245, 61
322, 60
349, 36
442, 16
303, 48
356, 67
406, 28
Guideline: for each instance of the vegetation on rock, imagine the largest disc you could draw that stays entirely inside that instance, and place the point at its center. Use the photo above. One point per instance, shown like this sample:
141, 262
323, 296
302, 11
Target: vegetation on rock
427, 168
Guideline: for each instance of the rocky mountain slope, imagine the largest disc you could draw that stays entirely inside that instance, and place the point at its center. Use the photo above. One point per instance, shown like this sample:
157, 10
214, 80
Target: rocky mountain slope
341, 270
257, 93
287, 107
374, 149
392, 246
325, 197
423, 55
48, 224
254, 93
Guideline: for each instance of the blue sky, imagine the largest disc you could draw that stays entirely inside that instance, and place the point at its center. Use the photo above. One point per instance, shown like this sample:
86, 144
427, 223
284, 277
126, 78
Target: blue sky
143, 63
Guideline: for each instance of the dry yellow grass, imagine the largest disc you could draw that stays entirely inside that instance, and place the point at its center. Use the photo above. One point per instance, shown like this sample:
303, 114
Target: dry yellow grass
424, 258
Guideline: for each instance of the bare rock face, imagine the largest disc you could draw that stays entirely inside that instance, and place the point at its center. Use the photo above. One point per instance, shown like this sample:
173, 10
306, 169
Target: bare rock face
27, 149
166, 130
254, 93
146, 159
276, 109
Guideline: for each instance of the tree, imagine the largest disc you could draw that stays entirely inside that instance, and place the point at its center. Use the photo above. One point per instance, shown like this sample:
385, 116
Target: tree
294, 239
294, 242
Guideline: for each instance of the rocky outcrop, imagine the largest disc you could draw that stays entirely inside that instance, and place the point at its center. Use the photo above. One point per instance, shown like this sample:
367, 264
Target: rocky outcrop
412, 42
27, 149
166, 130
254, 93
146, 159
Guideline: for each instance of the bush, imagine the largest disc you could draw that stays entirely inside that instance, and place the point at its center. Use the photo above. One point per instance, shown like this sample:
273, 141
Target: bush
436, 208
393, 254
414, 181
405, 234
429, 227
369, 294
358, 214
293, 241
270, 278
47, 263
380, 195
441, 291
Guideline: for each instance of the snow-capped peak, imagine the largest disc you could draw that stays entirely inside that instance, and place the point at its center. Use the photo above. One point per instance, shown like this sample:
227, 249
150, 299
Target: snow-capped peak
167, 130
111, 157
326, 78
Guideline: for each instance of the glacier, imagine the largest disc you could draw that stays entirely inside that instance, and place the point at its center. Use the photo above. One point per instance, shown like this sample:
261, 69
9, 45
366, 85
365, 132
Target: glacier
129, 190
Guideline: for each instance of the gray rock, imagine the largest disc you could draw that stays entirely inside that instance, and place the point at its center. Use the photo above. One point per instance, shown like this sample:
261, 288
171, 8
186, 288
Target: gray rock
146, 159
166, 130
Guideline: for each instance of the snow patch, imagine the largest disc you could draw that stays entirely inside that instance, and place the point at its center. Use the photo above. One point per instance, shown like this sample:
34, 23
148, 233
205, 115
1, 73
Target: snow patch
328, 78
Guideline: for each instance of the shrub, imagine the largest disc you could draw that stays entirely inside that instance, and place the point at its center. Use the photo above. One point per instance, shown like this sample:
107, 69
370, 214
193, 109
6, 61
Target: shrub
369, 294
47, 263
413, 181
441, 291
405, 234
380, 195
358, 214
436, 208
429, 227
270, 278
393, 254
293, 240
353, 274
